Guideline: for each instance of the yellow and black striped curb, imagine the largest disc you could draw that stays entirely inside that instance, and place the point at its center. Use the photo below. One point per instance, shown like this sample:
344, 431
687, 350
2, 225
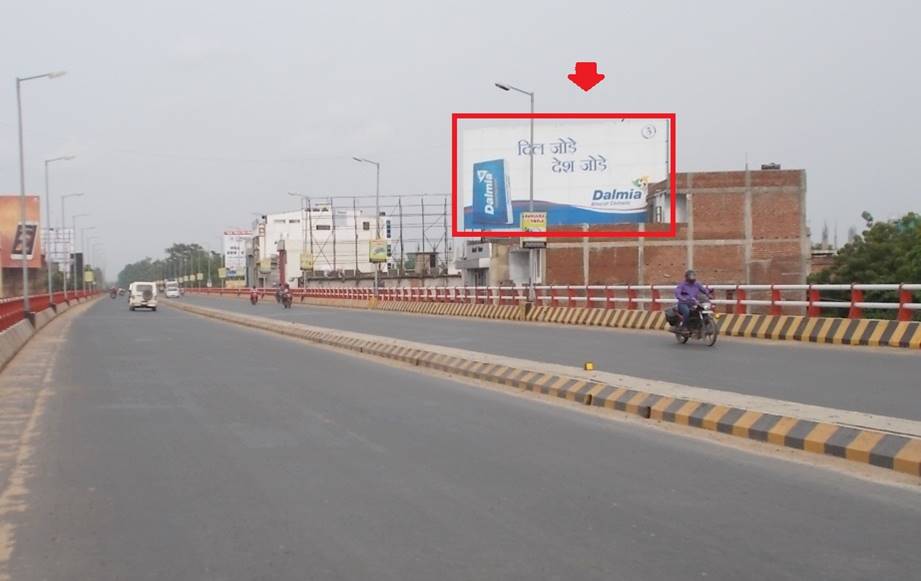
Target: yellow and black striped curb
823, 330
872, 332
897, 452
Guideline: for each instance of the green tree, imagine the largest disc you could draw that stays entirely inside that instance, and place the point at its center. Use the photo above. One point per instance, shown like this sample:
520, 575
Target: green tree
179, 259
886, 252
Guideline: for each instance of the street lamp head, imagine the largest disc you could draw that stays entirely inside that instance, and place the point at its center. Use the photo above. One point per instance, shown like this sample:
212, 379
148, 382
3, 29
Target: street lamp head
503, 87
56, 74
357, 159
69, 157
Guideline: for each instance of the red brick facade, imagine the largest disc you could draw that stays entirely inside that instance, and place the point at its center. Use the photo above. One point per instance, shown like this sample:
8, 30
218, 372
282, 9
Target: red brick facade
740, 227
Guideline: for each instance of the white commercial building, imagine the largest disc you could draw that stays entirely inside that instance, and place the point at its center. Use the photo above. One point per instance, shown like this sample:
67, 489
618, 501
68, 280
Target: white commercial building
328, 239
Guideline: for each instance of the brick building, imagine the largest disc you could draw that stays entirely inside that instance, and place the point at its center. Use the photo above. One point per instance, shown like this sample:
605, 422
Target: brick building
741, 227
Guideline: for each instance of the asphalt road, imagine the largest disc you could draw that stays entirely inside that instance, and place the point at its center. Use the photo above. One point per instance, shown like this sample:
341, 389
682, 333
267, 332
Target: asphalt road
866, 380
175, 447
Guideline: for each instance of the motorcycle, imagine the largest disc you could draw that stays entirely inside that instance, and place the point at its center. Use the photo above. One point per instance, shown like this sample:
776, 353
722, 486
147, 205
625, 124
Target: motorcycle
701, 325
286, 299
113, 293
253, 298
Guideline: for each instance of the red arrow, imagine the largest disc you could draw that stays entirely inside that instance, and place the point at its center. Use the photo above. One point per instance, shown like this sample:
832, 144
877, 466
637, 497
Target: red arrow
586, 75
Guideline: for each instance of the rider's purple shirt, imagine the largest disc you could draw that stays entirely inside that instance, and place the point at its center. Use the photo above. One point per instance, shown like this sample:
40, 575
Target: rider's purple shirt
687, 292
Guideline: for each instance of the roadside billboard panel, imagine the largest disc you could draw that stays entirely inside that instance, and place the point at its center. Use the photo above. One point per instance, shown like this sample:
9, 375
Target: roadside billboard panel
234, 246
591, 168
13, 239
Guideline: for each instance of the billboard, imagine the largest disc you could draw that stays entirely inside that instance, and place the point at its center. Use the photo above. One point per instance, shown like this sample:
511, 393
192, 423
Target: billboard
534, 222
58, 244
377, 250
588, 169
14, 240
234, 246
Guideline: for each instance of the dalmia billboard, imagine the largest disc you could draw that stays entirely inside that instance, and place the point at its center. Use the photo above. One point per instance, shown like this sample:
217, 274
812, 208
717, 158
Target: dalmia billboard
585, 171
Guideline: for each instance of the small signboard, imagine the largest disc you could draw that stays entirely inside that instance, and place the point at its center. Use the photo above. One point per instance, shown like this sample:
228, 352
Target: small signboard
306, 261
534, 222
222, 272
377, 250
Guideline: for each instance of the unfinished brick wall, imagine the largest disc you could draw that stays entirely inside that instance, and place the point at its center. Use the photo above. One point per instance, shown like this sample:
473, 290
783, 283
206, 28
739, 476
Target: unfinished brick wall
743, 227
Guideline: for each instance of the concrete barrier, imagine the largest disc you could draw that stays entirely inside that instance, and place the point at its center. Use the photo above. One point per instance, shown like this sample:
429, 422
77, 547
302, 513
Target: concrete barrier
832, 432
43, 317
12, 339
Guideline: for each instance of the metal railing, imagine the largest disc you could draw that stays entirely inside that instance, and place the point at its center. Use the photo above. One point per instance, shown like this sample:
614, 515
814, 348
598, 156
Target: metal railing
775, 299
12, 309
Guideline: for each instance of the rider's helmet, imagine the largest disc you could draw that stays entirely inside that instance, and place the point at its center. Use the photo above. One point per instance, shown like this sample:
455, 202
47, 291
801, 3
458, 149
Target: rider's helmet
690, 276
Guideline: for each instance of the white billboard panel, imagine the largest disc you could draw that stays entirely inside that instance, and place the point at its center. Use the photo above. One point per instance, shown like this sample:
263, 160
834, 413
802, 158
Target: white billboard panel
59, 244
234, 246
585, 171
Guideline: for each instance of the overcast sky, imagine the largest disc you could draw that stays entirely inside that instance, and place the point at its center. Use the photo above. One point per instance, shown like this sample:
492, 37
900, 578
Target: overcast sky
187, 116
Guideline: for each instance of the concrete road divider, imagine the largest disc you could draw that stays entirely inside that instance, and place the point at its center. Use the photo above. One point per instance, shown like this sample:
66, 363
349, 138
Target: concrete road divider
12, 339
43, 317
822, 330
890, 443
17, 335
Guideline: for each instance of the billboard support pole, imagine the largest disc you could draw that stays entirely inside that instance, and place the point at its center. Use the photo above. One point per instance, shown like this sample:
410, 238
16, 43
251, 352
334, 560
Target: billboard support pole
22, 203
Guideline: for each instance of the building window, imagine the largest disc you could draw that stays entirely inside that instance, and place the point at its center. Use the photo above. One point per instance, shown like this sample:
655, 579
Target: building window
323, 227
658, 217
366, 225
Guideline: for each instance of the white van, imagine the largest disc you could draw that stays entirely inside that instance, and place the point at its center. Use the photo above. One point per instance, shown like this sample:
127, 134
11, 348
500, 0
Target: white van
172, 289
142, 295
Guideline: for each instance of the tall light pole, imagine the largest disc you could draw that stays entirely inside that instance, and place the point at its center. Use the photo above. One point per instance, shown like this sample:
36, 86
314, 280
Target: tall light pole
74, 224
83, 250
377, 217
48, 219
22, 184
309, 228
532, 267
73, 237
97, 246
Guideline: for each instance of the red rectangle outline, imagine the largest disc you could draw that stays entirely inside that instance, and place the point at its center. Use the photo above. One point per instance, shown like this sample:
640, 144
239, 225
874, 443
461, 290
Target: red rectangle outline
672, 232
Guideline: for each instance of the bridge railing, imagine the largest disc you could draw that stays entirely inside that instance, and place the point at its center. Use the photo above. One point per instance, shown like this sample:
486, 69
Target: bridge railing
12, 309
808, 299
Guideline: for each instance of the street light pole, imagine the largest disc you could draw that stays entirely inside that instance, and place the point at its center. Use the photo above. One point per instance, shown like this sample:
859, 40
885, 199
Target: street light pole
48, 221
309, 211
73, 240
22, 186
74, 224
83, 250
532, 255
377, 217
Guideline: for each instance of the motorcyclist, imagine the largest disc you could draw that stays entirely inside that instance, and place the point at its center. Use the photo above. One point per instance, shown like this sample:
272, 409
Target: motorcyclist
687, 292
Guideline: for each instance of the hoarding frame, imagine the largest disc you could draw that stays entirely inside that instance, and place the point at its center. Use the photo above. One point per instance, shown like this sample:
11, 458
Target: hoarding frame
672, 231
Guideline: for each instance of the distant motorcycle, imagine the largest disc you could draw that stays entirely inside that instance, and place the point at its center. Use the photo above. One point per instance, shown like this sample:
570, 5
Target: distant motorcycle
701, 324
253, 298
113, 293
286, 299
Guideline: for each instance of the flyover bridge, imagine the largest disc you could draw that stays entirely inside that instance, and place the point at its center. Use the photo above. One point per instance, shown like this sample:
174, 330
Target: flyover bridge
168, 445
